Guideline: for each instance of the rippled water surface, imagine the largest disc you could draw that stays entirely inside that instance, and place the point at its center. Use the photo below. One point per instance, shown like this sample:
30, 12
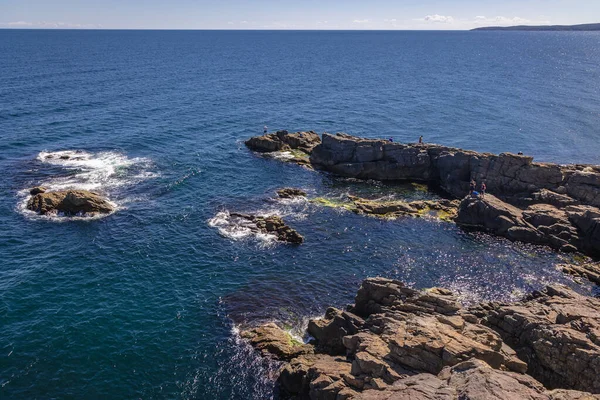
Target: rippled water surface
147, 302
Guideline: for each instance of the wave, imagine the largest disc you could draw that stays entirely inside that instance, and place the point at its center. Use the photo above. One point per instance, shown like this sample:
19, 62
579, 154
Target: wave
236, 228
101, 172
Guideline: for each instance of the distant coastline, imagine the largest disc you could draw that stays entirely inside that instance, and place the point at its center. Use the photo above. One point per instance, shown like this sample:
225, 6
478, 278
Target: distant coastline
581, 27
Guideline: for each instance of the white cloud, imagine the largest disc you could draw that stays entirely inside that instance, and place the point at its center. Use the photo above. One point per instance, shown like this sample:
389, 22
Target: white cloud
361, 21
49, 25
439, 18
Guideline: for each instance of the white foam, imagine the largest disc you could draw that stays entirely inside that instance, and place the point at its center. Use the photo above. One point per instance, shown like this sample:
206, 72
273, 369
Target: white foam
99, 172
236, 228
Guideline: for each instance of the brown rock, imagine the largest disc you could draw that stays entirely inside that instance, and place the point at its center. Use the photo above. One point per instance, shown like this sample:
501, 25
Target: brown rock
37, 190
273, 224
69, 202
288, 193
273, 341
557, 332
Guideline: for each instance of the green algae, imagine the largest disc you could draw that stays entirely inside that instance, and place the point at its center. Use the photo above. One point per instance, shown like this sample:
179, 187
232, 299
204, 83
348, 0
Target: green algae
334, 203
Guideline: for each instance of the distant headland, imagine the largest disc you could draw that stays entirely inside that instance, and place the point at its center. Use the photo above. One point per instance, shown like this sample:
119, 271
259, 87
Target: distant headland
581, 27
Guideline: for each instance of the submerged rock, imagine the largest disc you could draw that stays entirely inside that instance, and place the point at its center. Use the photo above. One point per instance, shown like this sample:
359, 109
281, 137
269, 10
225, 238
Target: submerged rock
443, 209
69, 202
288, 193
274, 225
399, 343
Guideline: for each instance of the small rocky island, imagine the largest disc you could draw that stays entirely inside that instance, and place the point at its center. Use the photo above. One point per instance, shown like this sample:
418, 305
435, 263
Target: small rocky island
399, 343
68, 202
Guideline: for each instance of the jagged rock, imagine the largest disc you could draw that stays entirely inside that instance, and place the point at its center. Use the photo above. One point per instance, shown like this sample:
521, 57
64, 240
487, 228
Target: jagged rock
273, 341
288, 193
570, 229
330, 330
273, 224
69, 202
423, 345
283, 140
557, 332
37, 190
316, 376
590, 271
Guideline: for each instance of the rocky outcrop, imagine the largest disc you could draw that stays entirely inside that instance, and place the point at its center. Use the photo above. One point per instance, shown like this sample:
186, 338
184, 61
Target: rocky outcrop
452, 169
273, 341
69, 202
399, 343
37, 190
301, 142
569, 229
591, 271
289, 193
556, 331
272, 224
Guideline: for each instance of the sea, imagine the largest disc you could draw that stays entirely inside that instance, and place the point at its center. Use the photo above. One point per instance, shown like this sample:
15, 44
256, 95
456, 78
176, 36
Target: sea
148, 302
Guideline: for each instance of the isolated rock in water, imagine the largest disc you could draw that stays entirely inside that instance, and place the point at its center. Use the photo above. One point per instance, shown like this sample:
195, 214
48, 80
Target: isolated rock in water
274, 225
283, 140
557, 332
273, 341
288, 193
37, 190
69, 202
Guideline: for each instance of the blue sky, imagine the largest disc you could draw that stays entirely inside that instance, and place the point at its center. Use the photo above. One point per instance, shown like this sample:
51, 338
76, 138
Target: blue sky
287, 14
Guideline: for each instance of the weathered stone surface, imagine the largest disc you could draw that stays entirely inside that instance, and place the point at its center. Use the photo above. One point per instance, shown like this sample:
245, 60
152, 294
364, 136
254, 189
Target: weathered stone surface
402, 343
273, 341
569, 229
273, 224
288, 193
283, 140
330, 330
590, 271
443, 209
69, 202
557, 332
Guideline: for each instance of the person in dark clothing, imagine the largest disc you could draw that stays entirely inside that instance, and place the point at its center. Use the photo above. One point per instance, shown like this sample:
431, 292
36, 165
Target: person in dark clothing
391, 139
421, 139
472, 186
483, 189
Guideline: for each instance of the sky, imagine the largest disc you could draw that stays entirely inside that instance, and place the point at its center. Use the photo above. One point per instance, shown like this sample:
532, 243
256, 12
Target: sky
288, 14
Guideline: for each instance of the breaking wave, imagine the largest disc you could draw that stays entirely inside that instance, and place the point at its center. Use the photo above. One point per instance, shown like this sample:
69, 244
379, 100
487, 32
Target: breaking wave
102, 172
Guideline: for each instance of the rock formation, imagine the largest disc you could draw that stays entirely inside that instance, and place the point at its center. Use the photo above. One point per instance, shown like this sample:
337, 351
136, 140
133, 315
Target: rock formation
591, 271
399, 343
69, 202
273, 225
288, 193
540, 203
299, 144
568, 229
443, 209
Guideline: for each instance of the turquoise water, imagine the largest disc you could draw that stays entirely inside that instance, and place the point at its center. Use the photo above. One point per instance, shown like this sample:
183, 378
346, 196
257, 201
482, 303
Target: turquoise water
146, 303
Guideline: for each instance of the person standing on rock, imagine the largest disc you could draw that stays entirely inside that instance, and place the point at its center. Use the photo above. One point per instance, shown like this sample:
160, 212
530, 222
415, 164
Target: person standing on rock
483, 188
421, 139
391, 139
472, 187
265, 129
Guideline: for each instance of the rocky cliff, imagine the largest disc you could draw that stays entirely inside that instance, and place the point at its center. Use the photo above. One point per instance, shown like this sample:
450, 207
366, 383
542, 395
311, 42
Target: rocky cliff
399, 343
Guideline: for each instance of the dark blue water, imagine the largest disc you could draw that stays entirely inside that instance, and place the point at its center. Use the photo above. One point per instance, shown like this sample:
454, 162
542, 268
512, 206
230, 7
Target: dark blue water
145, 303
